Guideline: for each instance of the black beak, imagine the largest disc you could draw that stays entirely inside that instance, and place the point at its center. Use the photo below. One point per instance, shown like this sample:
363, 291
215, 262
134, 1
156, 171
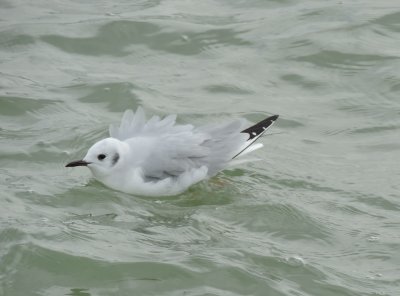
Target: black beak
77, 163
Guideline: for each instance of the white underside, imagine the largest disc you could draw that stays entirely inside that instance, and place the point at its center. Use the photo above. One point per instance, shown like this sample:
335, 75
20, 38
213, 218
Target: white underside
164, 187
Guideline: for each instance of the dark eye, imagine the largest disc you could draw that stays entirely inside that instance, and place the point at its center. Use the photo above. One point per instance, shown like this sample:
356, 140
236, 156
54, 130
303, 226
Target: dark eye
101, 156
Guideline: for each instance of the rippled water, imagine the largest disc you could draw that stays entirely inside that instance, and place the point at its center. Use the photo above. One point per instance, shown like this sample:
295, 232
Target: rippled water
320, 215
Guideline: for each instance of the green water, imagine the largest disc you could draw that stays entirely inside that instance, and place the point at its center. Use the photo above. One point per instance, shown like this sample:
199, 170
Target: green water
319, 215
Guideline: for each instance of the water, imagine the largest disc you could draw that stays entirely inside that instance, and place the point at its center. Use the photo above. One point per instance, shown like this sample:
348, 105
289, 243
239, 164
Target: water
320, 215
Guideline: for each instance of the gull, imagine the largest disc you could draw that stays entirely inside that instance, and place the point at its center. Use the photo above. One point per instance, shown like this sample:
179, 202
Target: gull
159, 157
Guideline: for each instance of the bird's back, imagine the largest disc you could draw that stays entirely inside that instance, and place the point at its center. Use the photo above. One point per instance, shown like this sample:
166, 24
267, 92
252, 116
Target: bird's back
171, 154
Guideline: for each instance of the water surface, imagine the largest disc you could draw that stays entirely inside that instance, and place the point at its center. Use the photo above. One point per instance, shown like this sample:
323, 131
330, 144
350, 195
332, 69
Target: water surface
319, 215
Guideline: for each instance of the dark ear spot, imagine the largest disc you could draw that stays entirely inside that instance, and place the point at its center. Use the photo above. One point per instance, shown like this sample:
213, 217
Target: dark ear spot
115, 158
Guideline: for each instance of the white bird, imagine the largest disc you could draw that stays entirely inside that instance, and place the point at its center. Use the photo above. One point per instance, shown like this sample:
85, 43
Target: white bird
159, 157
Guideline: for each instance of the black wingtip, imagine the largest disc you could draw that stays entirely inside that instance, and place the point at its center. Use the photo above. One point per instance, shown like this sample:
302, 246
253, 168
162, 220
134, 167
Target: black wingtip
273, 118
256, 131
260, 127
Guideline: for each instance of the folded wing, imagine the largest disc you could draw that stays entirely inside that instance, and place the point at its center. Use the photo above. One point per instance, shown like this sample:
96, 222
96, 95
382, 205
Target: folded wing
176, 149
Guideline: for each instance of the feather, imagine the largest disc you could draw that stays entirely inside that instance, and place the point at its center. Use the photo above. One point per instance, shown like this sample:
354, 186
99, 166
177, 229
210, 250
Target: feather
169, 154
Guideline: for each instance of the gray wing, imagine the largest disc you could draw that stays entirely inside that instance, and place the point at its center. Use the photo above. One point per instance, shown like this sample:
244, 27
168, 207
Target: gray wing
212, 147
181, 148
135, 124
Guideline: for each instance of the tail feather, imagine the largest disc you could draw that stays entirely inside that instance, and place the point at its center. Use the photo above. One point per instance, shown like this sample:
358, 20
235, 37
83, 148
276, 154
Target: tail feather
255, 132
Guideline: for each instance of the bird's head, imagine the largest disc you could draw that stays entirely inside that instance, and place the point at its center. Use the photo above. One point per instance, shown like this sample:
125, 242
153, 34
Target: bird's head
102, 157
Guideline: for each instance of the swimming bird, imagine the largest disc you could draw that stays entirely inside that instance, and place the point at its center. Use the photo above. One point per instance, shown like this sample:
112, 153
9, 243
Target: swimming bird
160, 157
